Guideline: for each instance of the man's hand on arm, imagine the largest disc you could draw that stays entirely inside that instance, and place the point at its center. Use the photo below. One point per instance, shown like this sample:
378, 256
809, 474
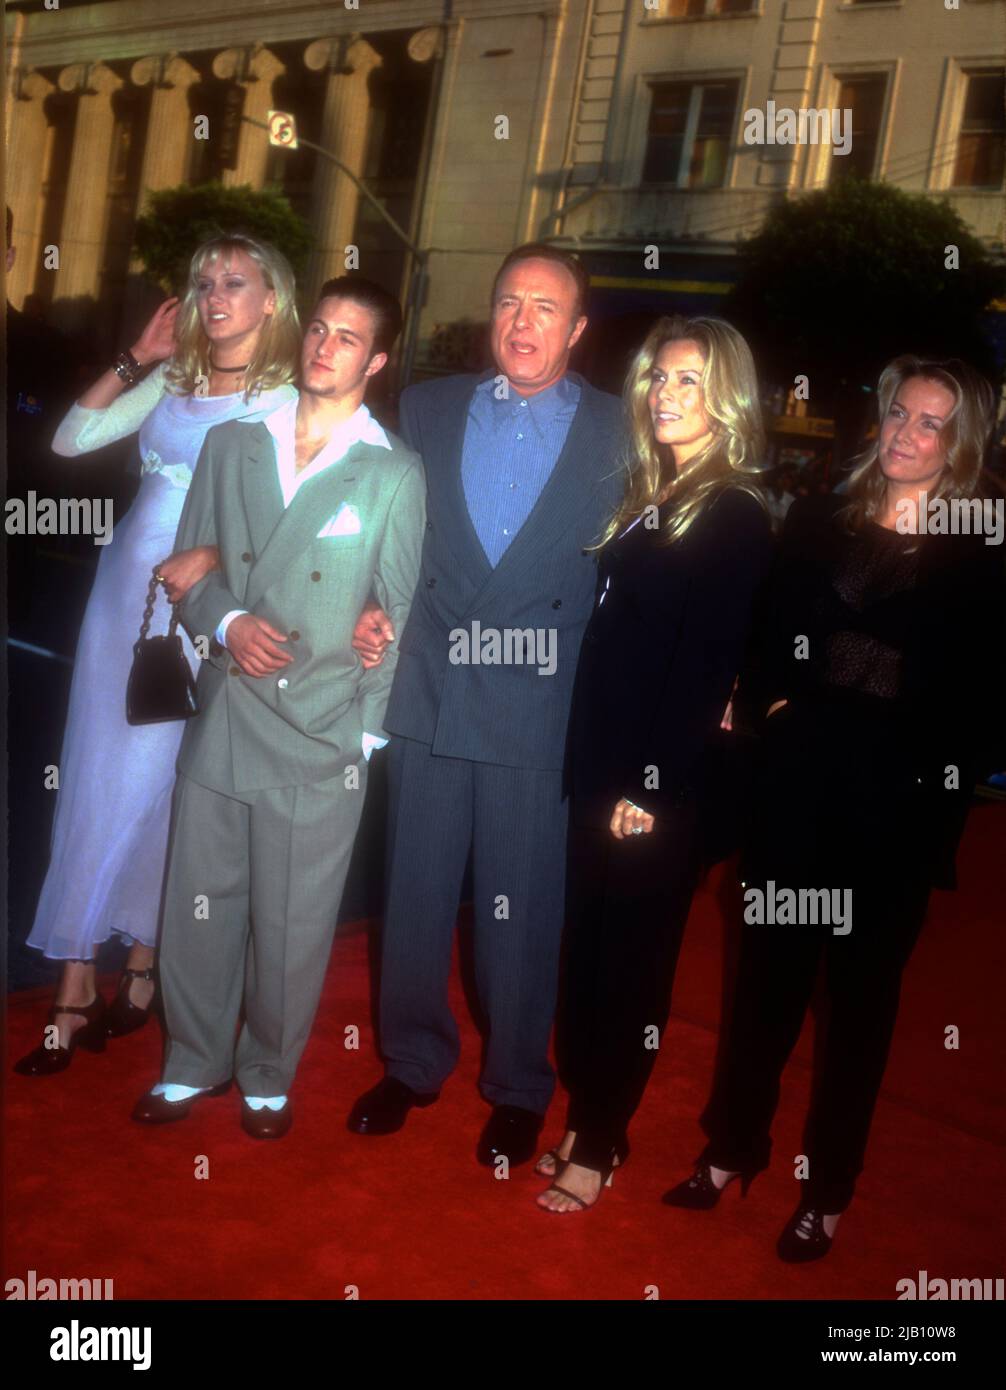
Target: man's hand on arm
253, 643
372, 635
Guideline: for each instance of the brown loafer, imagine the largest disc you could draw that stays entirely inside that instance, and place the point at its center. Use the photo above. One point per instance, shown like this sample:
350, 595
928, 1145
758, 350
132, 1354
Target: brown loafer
155, 1110
266, 1123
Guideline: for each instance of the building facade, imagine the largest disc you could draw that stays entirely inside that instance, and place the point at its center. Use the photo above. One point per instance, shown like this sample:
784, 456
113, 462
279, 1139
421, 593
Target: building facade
661, 155
609, 126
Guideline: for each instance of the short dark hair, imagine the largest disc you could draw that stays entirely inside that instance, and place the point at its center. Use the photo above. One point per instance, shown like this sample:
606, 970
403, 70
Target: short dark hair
368, 294
542, 251
10, 226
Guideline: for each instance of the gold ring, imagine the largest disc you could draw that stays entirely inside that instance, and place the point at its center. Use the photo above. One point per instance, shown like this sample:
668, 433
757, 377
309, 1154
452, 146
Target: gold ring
160, 578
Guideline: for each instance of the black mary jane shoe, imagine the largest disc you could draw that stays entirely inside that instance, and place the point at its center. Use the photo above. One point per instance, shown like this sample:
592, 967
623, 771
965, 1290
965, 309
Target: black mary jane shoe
123, 1016
47, 1061
700, 1193
804, 1238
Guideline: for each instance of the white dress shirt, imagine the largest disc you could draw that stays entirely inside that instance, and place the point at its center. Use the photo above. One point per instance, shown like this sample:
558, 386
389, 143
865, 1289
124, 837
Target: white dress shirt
361, 427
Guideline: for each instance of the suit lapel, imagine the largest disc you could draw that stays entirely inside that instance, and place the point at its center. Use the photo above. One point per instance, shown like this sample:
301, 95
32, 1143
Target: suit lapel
259, 481
450, 444
300, 523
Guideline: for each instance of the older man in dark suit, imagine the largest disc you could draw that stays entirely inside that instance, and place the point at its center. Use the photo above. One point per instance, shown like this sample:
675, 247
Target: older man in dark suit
523, 468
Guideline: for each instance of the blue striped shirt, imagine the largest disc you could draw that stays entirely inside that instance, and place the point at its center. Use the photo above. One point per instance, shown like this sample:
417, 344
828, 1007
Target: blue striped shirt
510, 449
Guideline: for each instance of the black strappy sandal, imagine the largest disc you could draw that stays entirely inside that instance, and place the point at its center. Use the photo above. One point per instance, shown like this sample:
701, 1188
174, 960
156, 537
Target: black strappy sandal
556, 1157
617, 1159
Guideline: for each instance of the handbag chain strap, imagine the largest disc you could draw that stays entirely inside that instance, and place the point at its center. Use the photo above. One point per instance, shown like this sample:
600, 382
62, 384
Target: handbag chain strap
148, 612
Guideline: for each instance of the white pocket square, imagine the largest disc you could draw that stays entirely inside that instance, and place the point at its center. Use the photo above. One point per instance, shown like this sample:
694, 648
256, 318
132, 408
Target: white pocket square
345, 522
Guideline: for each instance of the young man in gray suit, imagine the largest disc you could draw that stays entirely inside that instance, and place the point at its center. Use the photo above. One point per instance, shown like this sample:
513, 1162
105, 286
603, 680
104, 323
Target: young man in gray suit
311, 510
523, 469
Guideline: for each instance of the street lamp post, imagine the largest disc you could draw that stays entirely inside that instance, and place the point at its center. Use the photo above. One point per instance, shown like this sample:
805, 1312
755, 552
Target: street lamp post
418, 276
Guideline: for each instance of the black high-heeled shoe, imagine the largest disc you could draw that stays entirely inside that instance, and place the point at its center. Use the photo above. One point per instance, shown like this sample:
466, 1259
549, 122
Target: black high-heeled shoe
804, 1237
700, 1193
47, 1061
123, 1015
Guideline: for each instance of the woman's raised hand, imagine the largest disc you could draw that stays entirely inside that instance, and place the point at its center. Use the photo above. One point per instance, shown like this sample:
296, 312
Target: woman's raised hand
157, 341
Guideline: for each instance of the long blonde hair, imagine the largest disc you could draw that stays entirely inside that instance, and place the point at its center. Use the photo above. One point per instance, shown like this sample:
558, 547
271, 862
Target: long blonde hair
277, 354
964, 435
734, 457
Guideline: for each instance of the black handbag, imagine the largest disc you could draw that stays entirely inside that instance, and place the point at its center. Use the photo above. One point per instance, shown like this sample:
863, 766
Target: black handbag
160, 685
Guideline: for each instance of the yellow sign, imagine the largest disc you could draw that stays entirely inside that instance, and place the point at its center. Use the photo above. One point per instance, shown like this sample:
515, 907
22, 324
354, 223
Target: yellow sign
282, 130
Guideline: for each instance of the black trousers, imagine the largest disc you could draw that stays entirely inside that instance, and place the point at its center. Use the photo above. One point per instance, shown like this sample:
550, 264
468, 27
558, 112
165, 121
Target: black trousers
627, 903
777, 971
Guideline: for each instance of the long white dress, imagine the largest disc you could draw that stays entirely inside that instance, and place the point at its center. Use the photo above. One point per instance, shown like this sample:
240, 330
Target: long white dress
110, 834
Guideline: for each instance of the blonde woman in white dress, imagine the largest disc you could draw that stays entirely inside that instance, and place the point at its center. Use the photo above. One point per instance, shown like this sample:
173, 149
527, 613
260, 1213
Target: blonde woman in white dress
227, 351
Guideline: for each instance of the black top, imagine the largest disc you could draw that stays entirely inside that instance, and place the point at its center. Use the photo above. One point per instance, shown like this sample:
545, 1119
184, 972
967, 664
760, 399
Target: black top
891, 651
866, 613
901, 625
660, 655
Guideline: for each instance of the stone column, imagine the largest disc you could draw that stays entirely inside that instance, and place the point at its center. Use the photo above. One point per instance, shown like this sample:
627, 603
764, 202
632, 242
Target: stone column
255, 69
169, 127
25, 171
82, 234
348, 62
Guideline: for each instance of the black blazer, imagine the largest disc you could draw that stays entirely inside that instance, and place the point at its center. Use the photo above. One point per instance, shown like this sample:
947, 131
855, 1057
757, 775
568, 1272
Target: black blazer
659, 658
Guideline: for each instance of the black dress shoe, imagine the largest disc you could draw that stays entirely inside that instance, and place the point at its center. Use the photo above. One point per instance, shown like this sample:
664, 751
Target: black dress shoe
382, 1109
47, 1061
266, 1123
804, 1237
512, 1132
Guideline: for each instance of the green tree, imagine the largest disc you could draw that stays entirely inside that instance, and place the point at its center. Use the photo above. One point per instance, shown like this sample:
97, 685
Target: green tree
179, 219
838, 282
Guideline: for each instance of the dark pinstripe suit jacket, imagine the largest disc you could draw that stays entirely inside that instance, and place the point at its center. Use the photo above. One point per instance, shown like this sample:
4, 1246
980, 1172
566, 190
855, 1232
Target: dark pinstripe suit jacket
509, 715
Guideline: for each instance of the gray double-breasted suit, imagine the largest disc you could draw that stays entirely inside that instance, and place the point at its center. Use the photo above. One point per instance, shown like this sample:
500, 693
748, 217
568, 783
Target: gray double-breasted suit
476, 757
271, 773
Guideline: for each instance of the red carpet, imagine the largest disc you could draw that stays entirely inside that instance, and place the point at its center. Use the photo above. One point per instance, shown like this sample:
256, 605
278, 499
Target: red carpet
91, 1194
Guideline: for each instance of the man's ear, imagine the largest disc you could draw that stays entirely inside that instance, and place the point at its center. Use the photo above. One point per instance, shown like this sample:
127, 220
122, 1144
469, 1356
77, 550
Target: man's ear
376, 363
11, 253
578, 328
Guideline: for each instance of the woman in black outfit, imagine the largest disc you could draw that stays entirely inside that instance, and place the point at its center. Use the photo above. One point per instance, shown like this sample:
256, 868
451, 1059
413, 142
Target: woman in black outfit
879, 663
679, 565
